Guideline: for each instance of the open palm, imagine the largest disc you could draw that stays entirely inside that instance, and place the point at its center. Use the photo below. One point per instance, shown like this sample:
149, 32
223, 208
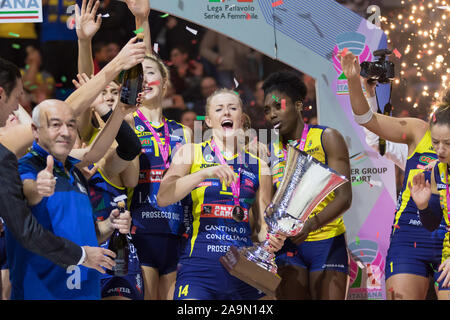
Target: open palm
420, 190
86, 24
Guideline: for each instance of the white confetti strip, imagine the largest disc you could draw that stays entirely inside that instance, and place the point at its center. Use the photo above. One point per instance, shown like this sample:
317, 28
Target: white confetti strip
191, 30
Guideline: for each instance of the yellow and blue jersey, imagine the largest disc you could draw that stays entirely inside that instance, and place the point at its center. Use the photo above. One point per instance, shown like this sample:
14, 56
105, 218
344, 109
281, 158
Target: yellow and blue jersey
102, 193
406, 218
213, 228
440, 177
148, 217
412, 248
313, 147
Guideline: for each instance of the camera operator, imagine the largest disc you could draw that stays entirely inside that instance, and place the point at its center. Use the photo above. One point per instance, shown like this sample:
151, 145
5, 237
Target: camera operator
412, 248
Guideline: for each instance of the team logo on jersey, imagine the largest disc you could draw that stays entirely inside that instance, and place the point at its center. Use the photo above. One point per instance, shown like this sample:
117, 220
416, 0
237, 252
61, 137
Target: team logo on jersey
176, 138
140, 128
209, 158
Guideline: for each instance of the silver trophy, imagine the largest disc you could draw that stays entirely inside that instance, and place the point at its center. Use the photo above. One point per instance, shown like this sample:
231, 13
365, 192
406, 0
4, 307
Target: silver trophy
306, 182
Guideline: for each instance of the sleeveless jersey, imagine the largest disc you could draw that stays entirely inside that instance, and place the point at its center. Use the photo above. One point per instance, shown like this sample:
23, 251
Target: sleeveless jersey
147, 216
213, 229
406, 217
440, 177
102, 193
313, 147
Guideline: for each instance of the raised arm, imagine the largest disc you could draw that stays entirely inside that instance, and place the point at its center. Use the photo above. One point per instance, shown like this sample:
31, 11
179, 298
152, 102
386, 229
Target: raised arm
401, 130
141, 11
86, 27
130, 55
98, 148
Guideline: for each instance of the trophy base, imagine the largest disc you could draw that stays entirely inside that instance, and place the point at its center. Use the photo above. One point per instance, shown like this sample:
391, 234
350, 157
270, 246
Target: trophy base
249, 272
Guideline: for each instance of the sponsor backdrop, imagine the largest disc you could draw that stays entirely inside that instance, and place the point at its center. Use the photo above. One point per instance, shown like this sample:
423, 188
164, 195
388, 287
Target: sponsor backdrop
307, 35
20, 11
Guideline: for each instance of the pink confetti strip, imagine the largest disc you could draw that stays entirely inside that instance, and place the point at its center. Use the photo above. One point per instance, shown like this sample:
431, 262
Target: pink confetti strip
283, 104
397, 53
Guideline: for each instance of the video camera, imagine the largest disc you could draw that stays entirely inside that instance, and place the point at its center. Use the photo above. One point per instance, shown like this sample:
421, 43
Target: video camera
381, 70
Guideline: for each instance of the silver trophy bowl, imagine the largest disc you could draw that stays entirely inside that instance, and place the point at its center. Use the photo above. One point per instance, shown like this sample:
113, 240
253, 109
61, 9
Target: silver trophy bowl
306, 182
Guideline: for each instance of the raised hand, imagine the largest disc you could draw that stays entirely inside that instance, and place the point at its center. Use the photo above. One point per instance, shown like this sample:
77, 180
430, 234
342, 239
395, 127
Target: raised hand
85, 21
82, 80
45, 180
420, 190
139, 8
350, 65
131, 54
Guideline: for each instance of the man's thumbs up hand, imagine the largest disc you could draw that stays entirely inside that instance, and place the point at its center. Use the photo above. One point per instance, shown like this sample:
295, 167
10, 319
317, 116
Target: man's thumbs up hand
45, 180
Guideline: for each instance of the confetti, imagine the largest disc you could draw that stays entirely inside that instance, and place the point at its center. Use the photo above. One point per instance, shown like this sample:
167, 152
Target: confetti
155, 47
248, 16
193, 31
236, 83
344, 51
357, 240
404, 136
396, 226
361, 254
414, 244
63, 78
283, 104
138, 31
275, 98
200, 117
106, 15
164, 15
397, 53
27, 67
434, 118
392, 266
70, 23
290, 254
444, 8
436, 284
378, 234
58, 85
34, 87
277, 3
14, 34
16, 46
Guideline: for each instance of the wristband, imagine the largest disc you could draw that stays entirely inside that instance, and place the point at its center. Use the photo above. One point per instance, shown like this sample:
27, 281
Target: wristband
364, 118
